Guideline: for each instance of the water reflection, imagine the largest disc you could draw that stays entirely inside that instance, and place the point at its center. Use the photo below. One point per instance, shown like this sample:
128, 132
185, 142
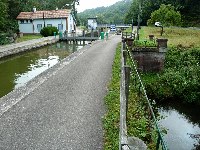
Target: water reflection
183, 124
17, 70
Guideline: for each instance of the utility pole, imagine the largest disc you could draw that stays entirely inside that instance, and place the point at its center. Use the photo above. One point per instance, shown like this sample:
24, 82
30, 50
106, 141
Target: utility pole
139, 18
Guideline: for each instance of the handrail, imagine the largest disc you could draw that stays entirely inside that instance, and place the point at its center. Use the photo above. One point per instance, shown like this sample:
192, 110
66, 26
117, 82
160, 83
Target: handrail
124, 95
126, 143
160, 136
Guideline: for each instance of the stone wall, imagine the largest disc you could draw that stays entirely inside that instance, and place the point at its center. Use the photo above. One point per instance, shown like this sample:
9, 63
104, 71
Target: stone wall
12, 49
149, 59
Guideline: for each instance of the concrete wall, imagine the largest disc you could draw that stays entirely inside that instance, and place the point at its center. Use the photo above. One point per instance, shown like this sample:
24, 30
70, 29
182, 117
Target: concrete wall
149, 61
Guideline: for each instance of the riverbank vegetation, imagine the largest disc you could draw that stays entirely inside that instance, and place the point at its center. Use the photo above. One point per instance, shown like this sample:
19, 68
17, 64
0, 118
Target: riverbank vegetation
180, 78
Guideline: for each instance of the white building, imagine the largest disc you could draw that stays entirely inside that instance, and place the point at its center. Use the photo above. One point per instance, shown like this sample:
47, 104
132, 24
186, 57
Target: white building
92, 23
33, 22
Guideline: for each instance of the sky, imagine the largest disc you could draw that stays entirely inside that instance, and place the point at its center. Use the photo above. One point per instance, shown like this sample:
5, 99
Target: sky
89, 4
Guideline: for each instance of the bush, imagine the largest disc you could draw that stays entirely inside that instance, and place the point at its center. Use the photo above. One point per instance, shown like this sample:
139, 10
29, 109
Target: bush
167, 15
48, 31
180, 78
4, 38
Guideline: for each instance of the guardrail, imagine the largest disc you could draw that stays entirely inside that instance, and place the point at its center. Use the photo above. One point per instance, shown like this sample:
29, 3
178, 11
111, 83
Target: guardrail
128, 72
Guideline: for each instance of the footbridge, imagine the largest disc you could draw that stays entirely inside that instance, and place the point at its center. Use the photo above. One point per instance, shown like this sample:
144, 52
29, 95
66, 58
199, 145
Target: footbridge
117, 25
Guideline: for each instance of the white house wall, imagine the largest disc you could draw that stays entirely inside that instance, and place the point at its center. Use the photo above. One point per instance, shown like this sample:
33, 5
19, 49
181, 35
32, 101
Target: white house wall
53, 22
25, 27
33, 27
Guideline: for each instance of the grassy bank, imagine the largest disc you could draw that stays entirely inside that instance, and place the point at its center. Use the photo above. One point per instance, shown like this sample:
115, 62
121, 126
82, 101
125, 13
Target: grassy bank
29, 37
181, 37
137, 117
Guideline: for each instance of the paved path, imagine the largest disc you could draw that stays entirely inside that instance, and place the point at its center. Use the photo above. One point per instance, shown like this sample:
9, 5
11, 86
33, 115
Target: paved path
65, 111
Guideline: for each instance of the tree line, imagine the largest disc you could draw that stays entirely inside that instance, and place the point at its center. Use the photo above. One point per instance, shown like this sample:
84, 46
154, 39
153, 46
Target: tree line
189, 10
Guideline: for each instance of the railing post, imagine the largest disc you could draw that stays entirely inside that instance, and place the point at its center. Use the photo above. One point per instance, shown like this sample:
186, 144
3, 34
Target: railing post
125, 54
127, 70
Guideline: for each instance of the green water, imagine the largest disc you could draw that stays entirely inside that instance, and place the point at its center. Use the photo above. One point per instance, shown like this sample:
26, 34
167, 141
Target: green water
17, 70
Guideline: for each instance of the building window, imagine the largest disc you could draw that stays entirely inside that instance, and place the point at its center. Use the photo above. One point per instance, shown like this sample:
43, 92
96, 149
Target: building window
49, 25
31, 21
60, 27
39, 27
26, 21
21, 21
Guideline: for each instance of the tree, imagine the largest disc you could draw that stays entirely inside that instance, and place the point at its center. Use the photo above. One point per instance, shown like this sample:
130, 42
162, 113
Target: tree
3, 15
167, 15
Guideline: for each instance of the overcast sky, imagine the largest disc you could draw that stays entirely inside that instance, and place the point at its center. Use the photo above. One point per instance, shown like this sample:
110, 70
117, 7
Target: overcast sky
89, 4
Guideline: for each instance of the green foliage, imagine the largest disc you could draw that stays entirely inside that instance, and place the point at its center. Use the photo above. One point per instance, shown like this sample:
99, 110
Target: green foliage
144, 43
3, 15
112, 100
167, 15
180, 79
189, 10
48, 31
3, 39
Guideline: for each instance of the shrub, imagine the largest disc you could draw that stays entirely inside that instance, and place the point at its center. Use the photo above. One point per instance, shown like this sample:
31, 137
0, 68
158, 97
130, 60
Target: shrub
4, 39
167, 15
180, 79
48, 31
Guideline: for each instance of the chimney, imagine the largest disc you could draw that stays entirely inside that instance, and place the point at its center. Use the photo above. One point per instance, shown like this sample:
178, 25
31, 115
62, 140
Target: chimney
34, 9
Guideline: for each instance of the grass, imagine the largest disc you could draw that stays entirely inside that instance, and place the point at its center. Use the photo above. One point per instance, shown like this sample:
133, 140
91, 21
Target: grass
137, 122
28, 37
177, 37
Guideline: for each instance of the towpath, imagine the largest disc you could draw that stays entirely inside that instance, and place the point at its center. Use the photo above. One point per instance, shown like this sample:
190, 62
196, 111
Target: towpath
64, 109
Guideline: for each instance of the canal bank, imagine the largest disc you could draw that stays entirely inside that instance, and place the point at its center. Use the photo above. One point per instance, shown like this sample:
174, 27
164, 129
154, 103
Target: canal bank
15, 48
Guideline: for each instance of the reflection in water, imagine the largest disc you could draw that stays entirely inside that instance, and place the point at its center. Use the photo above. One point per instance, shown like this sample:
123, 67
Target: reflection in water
183, 124
17, 70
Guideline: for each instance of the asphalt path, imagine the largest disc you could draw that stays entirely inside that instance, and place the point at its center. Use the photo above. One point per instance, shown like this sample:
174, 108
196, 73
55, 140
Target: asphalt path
64, 112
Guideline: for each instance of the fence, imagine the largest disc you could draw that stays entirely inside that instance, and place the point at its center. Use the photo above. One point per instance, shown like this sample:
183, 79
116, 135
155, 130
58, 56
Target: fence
127, 73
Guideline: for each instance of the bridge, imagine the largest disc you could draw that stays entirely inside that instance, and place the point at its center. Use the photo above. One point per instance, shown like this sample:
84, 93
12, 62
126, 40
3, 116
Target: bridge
117, 25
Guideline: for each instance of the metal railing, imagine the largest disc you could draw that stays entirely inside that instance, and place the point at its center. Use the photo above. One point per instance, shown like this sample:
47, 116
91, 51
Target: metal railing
128, 72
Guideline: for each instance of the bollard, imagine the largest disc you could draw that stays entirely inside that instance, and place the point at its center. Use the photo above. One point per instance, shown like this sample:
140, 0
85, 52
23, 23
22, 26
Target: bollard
54, 33
106, 35
102, 35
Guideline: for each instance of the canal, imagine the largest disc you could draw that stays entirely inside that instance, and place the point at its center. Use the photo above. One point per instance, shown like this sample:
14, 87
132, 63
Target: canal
182, 122
15, 71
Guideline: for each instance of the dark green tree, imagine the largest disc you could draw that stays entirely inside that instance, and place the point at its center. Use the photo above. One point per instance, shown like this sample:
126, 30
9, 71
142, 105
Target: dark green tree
167, 15
3, 15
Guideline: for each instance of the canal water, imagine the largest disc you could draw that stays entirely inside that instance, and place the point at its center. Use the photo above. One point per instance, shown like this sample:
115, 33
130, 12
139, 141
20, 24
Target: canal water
182, 122
17, 70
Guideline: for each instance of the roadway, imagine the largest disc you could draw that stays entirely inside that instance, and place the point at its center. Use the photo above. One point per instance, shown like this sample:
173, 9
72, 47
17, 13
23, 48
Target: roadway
64, 108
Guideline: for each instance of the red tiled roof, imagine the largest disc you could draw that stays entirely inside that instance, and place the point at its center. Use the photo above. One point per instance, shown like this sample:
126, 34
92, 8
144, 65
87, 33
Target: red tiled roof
63, 13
